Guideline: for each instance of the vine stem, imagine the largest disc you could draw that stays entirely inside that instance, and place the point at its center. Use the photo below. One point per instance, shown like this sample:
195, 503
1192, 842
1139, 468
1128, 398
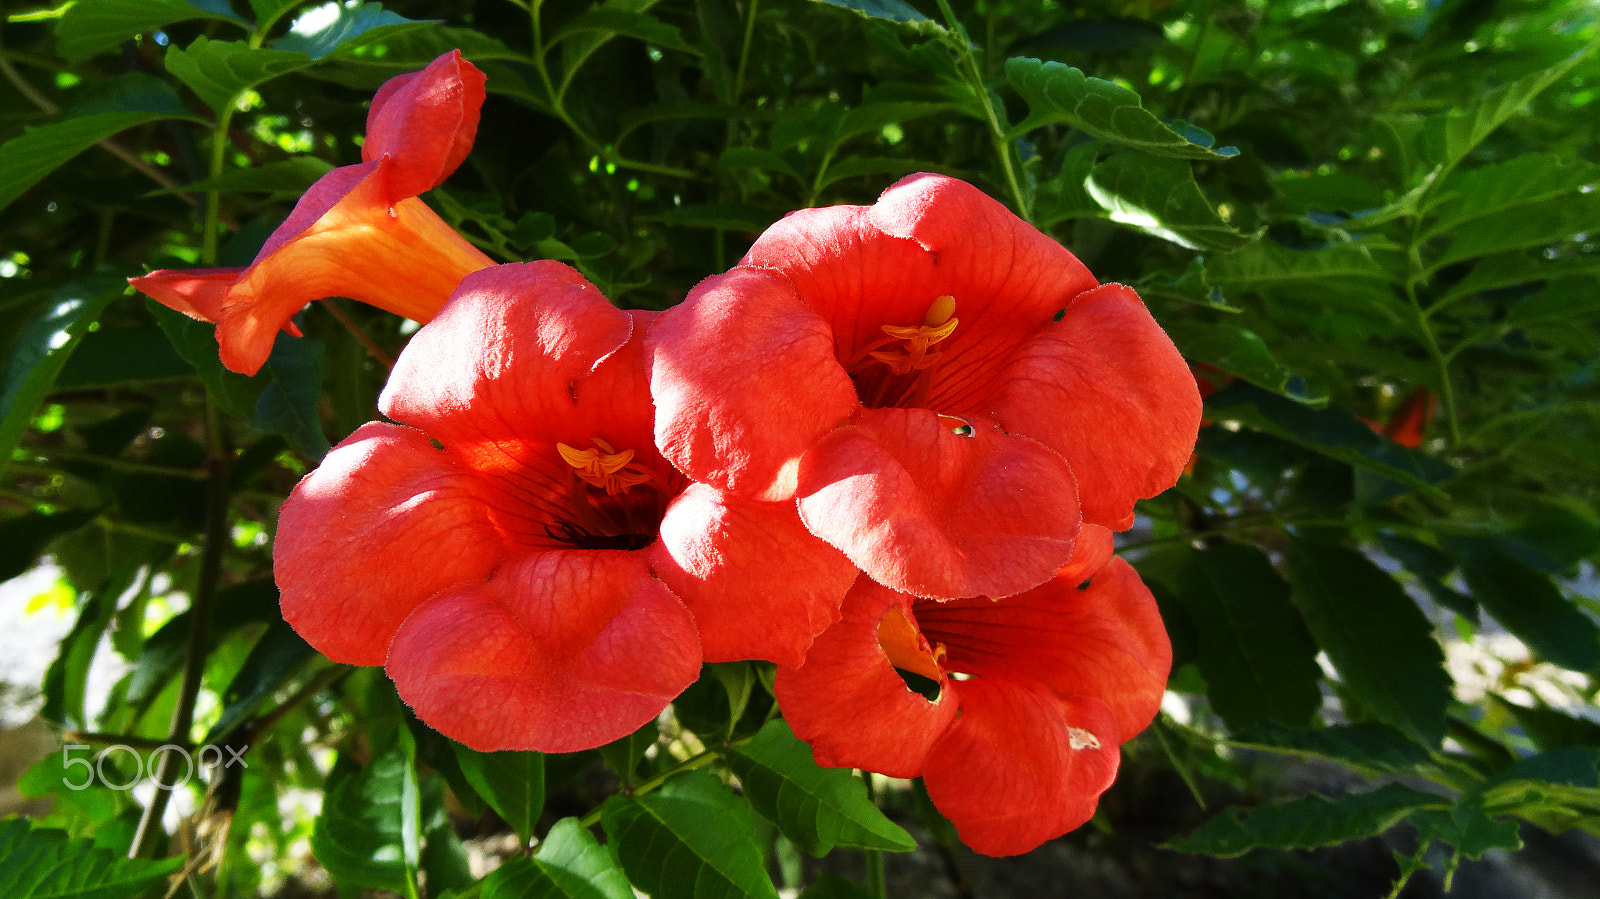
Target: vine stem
1441, 363
997, 135
698, 760
194, 661
877, 888
219, 157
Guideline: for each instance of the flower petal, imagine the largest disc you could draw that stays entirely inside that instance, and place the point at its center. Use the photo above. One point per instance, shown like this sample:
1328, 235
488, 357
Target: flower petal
1104, 640
744, 379
197, 292
344, 238
425, 123
559, 652
759, 585
927, 511
507, 360
848, 702
1106, 388
385, 522
928, 236
1020, 766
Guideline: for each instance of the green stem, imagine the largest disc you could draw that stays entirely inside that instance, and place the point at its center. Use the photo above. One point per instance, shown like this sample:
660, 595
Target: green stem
219, 157
744, 50
194, 664
115, 464
997, 132
699, 760
876, 887
1440, 362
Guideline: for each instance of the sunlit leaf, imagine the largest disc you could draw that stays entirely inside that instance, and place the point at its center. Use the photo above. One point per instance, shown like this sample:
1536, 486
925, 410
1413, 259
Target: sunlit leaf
689, 840
1159, 196
818, 808
40, 863
360, 837
40, 352
570, 864
1061, 94
89, 27
219, 71
350, 27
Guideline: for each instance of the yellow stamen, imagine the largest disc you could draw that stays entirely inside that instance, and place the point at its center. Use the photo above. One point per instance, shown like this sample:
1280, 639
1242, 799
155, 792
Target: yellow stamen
939, 324
604, 467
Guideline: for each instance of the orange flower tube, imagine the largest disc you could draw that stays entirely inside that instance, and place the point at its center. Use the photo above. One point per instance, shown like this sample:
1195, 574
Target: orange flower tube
359, 232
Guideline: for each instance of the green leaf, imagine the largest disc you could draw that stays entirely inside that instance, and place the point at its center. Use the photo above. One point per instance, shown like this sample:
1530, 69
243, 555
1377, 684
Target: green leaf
1525, 180
219, 71
355, 26
1064, 196
689, 840
1258, 661
130, 100
1364, 745
161, 657
756, 158
1378, 640
1527, 603
873, 166
1448, 137
1159, 196
1307, 823
1537, 224
39, 863
1061, 94
281, 398
625, 753
511, 782
360, 837
288, 401
88, 27
1550, 728
1239, 352
40, 352
818, 808
110, 357
571, 864
1433, 569
892, 10
611, 21
1466, 827
1333, 431
23, 538
1264, 264
1519, 267
272, 661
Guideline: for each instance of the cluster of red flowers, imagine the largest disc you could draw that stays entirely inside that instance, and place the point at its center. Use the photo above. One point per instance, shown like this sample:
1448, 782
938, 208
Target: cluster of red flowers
891, 444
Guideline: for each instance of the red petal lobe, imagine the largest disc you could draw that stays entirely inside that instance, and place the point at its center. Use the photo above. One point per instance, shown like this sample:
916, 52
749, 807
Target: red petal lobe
932, 513
759, 585
382, 524
560, 652
1008, 775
